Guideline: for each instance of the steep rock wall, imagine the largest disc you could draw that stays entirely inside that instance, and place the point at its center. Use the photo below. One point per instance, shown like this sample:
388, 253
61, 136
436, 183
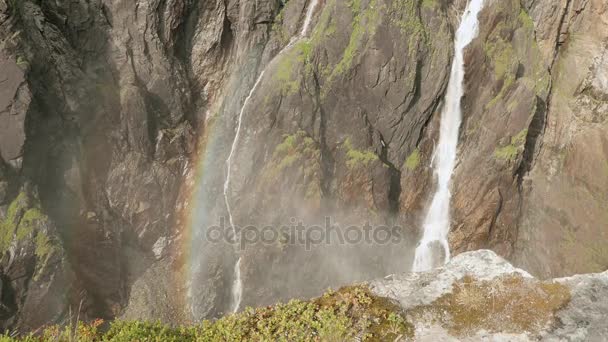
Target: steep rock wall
104, 102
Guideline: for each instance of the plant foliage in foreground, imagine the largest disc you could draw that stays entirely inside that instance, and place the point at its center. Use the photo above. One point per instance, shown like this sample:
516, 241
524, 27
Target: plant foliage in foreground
351, 313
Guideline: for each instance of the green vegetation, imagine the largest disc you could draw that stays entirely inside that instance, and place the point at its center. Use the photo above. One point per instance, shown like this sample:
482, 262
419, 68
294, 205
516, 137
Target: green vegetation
352, 312
357, 158
326, 27
20, 224
413, 161
525, 20
8, 226
509, 50
405, 15
509, 304
22, 62
297, 152
503, 57
431, 4
284, 75
511, 151
365, 21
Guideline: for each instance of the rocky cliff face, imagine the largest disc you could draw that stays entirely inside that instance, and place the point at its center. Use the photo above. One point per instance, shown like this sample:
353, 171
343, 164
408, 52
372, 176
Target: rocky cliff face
111, 110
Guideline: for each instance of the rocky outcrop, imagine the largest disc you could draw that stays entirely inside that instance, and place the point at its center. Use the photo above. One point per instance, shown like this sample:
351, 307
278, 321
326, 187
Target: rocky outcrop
36, 282
479, 296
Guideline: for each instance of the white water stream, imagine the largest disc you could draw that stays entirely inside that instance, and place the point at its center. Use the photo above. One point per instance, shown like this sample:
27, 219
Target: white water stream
237, 286
437, 222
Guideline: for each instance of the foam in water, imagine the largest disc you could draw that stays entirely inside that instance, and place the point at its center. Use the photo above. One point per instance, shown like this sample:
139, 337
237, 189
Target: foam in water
437, 222
237, 286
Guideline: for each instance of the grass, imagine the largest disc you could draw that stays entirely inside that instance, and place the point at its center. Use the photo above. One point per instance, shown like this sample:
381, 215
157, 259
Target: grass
348, 314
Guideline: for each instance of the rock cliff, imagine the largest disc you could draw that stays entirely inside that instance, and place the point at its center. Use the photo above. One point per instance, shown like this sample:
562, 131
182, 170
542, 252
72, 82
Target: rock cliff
117, 117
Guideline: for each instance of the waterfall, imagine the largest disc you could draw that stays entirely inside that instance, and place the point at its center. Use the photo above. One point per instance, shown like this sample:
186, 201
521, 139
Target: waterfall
437, 221
237, 285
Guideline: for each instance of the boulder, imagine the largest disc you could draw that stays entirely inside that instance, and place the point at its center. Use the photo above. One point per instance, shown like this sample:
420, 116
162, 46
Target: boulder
479, 296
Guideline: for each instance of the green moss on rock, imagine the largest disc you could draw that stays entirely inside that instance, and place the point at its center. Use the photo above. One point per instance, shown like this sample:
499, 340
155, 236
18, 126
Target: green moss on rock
509, 304
357, 158
9, 226
24, 220
365, 22
288, 74
299, 154
413, 161
511, 151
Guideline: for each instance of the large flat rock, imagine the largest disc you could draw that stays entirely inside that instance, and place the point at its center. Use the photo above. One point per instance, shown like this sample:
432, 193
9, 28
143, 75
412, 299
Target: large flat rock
444, 304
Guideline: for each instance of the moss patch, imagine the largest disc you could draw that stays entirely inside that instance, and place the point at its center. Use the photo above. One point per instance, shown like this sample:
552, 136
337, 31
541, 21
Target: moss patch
405, 15
357, 158
525, 20
23, 223
413, 161
287, 72
509, 304
511, 151
301, 155
431, 4
365, 22
9, 226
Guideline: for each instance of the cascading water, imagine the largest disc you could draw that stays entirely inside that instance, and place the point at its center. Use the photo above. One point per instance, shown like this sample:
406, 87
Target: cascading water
437, 222
237, 286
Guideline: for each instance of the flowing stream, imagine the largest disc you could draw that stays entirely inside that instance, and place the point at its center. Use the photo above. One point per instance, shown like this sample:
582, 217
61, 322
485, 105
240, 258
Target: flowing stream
437, 222
237, 286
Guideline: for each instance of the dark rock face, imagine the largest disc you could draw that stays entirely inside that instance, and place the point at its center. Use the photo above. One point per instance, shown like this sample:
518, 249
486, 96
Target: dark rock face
108, 109
14, 95
103, 139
